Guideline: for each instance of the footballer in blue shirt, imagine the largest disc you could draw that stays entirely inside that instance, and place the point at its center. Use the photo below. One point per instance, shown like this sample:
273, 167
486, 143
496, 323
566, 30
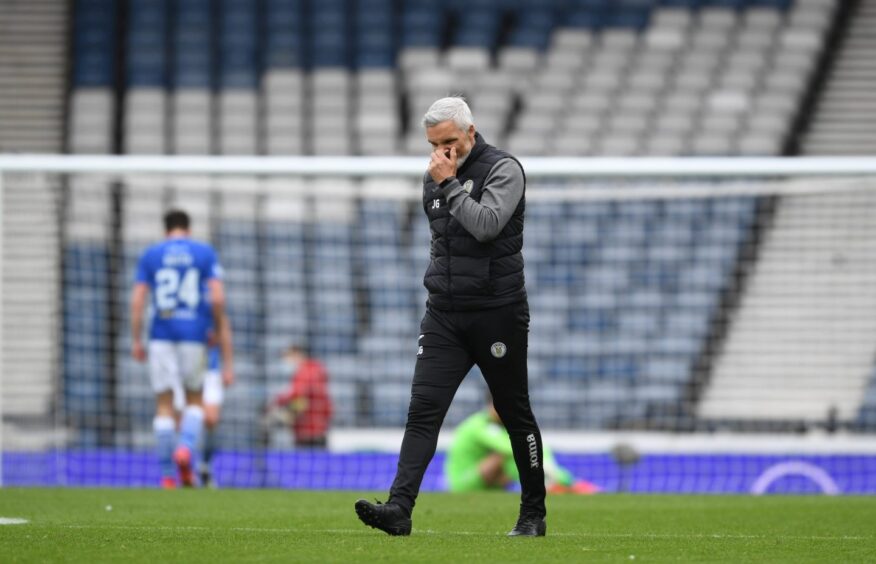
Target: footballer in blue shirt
179, 273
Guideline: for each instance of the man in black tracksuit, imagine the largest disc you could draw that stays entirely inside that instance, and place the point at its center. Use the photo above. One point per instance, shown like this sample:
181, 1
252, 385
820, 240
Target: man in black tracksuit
477, 313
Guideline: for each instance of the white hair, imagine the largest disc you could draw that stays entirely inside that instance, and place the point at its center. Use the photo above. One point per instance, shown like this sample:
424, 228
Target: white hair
452, 107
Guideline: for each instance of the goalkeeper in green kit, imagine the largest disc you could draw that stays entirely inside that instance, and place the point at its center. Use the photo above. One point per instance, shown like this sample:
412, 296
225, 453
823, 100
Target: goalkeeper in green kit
480, 458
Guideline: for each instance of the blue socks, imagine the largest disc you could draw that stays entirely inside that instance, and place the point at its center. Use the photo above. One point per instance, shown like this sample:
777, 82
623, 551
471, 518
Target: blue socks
165, 439
191, 427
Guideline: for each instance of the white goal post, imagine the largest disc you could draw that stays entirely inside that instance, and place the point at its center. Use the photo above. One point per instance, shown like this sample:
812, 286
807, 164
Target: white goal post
536, 167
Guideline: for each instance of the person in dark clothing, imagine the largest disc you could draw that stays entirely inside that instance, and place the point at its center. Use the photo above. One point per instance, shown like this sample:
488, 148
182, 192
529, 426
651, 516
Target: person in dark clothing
477, 313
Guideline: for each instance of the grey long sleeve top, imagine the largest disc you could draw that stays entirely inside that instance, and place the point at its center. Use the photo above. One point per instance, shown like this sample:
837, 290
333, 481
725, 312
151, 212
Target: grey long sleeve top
501, 193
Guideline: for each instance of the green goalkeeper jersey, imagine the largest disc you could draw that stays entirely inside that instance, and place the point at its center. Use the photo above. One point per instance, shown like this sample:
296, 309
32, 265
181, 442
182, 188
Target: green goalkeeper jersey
476, 438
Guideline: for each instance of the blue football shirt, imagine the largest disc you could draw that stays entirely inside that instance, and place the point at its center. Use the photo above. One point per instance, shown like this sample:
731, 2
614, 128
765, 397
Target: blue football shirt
177, 271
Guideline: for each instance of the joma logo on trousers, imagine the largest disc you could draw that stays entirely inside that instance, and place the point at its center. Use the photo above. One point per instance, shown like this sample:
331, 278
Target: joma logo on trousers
533, 451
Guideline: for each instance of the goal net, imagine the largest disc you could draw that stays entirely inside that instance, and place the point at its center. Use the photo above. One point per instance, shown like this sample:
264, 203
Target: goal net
697, 326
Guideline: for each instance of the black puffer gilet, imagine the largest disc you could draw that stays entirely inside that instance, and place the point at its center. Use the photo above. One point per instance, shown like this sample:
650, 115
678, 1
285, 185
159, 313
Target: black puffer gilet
465, 274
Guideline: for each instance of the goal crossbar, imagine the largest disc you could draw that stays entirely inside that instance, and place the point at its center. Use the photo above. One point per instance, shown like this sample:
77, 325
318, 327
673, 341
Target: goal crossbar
540, 167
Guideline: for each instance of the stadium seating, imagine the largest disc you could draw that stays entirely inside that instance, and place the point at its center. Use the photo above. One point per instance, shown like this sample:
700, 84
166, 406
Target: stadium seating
623, 299
30, 351
624, 296
92, 100
567, 77
34, 82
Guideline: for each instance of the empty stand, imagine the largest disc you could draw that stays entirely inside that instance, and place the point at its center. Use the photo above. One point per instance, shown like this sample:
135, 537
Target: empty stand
32, 76
844, 122
545, 78
625, 296
30, 344
238, 78
92, 98
32, 90
192, 129
146, 95
803, 341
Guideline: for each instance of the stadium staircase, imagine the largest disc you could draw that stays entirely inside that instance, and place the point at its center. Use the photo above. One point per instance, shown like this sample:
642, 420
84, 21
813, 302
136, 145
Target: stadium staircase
800, 335
785, 334
844, 122
33, 71
30, 302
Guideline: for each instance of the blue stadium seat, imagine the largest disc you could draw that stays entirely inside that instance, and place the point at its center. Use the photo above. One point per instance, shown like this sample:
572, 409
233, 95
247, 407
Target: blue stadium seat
589, 4
567, 251
238, 56
628, 17
193, 53
391, 404
384, 347
376, 34
678, 345
608, 276
701, 275
479, 28
667, 369
555, 275
586, 19
636, 322
147, 37
687, 323
691, 4
659, 276
686, 210
733, 4
592, 320
94, 43
422, 26
283, 37
704, 300
777, 4
390, 297
574, 368
665, 393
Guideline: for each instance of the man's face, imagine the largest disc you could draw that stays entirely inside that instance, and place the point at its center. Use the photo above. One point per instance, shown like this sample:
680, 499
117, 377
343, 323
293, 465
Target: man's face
446, 134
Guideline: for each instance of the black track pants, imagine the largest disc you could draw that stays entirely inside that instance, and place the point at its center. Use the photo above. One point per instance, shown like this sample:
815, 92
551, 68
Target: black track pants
451, 342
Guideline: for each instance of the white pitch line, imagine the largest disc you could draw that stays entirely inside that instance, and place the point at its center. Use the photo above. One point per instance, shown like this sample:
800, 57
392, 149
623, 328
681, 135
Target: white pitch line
12, 521
364, 531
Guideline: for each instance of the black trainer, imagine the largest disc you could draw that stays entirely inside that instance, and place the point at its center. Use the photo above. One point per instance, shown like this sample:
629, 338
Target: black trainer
388, 517
529, 525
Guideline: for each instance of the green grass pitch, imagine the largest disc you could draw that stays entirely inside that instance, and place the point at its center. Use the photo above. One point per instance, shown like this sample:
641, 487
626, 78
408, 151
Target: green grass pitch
98, 525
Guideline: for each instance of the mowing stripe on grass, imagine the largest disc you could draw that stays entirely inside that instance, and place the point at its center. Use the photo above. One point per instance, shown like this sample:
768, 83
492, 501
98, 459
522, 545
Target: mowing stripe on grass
285, 530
